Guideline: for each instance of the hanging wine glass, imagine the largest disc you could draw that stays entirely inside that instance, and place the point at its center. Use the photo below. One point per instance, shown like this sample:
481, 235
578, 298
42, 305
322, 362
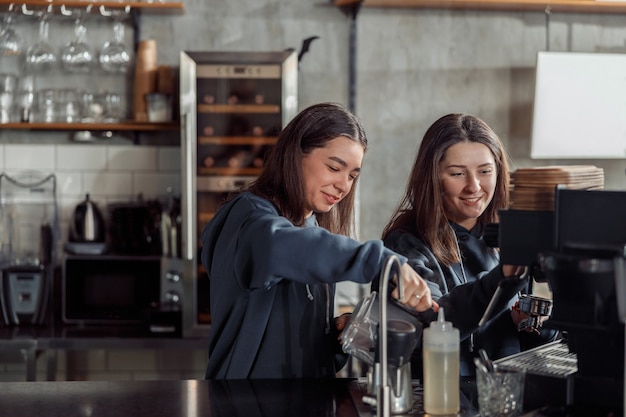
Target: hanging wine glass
77, 55
40, 56
114, 56
10, 42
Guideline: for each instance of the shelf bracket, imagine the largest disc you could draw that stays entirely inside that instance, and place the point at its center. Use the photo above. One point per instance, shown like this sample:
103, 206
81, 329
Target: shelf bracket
352, 10
136, 23
548, 12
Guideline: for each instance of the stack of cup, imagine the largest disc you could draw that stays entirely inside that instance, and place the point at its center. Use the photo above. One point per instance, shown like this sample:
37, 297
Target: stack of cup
145, 77
8, 83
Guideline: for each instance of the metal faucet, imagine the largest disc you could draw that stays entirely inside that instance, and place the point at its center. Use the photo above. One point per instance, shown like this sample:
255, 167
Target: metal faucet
383, 395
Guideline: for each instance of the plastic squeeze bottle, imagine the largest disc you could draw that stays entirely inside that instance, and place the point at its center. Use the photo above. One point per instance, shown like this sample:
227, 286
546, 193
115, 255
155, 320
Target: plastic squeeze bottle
441, 367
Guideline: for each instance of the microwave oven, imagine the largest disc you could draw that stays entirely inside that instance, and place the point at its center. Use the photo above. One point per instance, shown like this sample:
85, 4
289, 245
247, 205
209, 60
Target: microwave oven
123, 290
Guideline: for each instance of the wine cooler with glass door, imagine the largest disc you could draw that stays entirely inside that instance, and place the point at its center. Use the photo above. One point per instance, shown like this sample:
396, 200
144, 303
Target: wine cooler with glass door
232, 107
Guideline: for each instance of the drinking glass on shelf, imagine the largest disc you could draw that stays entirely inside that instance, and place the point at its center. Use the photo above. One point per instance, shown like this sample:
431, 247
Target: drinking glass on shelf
24, 99
69, 105
47, 106
10, 42
77, 55
114, 111
24, 106
6, 106
7, 96
40, 56
115, 56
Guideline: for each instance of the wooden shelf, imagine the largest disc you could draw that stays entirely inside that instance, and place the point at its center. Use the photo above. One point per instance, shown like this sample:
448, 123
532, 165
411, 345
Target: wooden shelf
155, 7
227, 171
563, 6
125, 126
237, 140
239, 108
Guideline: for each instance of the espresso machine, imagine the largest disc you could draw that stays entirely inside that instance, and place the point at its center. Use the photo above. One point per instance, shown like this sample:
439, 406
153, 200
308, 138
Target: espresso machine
579, 249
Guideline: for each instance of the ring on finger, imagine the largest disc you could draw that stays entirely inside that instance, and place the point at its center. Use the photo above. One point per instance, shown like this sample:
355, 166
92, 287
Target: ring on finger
417, 296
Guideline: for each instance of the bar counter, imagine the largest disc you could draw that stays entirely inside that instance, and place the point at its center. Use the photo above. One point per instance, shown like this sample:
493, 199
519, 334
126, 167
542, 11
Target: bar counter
224, 398
189, 398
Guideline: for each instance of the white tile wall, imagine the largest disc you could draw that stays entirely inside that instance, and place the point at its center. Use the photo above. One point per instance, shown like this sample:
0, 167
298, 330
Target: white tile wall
109, 173
125, 158
80, 157
26, 157
107, 185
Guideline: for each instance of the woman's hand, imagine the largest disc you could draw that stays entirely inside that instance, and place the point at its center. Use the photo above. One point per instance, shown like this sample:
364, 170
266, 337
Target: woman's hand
341, 322
513, 270
518, 316
415, 290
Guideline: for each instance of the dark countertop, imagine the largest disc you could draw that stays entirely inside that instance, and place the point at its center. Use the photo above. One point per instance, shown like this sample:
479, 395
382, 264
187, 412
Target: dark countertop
225, 398
101, 337
190, 398
32, 341
249, 398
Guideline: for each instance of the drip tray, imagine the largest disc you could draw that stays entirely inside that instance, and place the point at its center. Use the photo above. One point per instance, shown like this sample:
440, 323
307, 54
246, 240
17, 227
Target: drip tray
551, 360
550, 372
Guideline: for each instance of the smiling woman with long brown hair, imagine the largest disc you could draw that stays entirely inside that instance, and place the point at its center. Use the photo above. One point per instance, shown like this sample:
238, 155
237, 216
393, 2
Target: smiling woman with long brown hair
459, 181
275, 251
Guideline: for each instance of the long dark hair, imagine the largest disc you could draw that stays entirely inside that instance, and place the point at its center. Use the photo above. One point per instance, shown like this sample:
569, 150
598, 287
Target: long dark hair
421, 209
282, 181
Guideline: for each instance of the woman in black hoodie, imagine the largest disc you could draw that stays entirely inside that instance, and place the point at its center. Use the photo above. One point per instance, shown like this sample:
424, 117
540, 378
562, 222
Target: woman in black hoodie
459, 181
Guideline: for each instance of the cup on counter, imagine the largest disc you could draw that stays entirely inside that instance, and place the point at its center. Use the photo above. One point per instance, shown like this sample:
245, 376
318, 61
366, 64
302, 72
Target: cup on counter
500, 393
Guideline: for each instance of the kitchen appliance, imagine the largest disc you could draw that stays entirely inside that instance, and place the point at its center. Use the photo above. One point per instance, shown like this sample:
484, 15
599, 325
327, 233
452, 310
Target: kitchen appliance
232, 106
138, 282
123, 290
583, 262
134, 227
87, 224
87, 234
28, 235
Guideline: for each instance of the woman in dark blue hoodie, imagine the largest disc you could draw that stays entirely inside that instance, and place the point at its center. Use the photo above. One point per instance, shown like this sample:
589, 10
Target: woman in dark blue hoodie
274, 252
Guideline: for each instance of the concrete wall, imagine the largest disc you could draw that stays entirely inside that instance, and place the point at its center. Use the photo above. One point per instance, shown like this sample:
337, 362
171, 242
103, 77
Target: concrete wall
412, 66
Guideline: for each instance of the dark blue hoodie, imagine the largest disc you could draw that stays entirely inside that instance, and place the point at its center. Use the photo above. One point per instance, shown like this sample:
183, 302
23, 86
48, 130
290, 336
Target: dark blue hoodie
272, 291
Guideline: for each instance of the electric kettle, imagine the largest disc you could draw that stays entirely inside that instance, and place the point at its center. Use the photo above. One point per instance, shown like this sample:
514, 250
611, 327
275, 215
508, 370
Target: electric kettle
87, 224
